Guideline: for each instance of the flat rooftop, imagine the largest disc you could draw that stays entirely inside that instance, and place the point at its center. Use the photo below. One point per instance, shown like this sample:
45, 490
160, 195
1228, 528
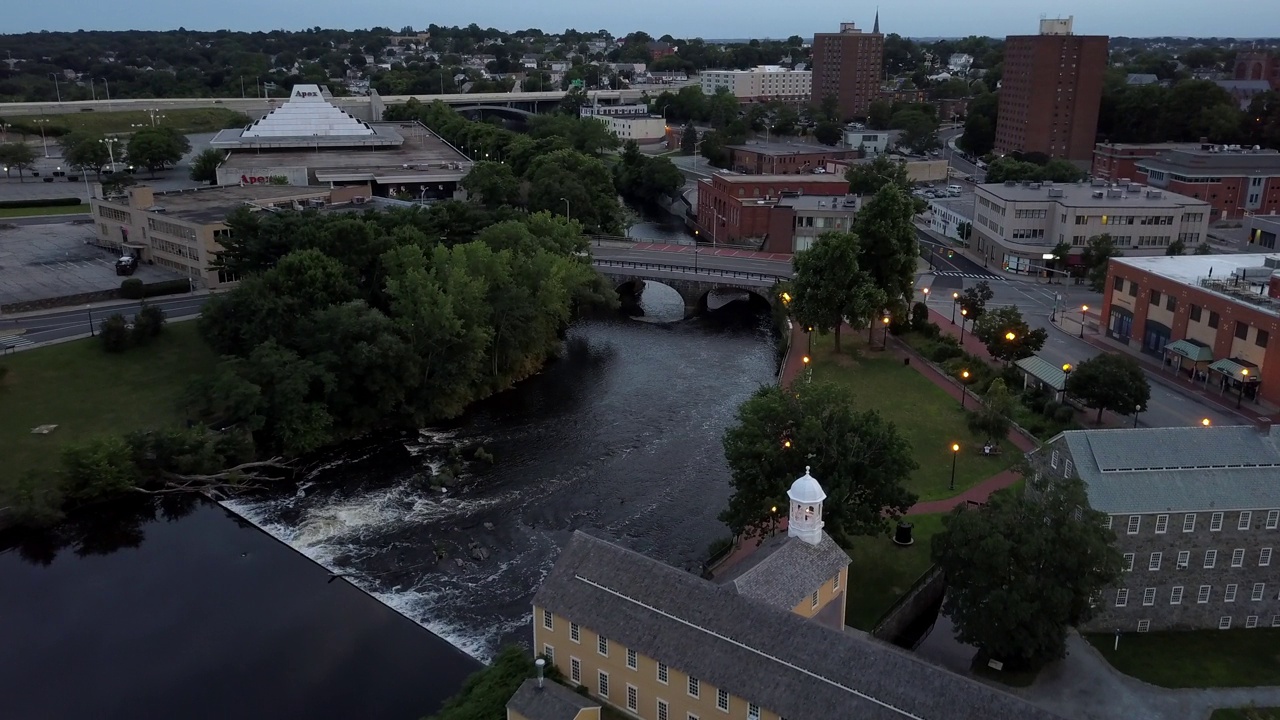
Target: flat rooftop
1189, 269
1082, 195
1147, 146
961, 205
422, 156
830, 203
212, 205
788, 148
833, 178
1262, 163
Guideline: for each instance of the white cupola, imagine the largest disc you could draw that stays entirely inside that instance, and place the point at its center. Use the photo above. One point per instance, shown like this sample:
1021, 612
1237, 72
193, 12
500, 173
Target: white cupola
805, 521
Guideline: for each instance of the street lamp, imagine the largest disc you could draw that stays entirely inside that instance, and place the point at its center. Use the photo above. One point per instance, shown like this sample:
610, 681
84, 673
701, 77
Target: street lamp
56, 87
964, 387
566, 206
808, 371
1136, 409
43, 140
925, 291
955, 300
809, 331
1244, 376
964, 313
1010, 336
108, 88
1083, 309
955, 452
1205, 422
885, 342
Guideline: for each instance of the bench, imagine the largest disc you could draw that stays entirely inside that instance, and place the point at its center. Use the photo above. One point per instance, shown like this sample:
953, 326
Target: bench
992, 451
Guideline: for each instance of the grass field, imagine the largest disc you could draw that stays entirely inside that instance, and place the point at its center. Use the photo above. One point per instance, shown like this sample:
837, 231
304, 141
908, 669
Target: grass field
1246, 714
1204, 658
925, 415
87, 392
191, 120
881, 571
24, 212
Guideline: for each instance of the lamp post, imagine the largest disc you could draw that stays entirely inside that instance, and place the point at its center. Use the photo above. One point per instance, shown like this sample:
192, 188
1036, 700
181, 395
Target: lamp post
955, 300
566, 208
808, 371
1136, 409
92, 333
108, 89
885, 342
964, 312
1066, 375
56, 88
809, 331
43, 140
964, 387
925, 291
1205, 422
1083, 309
955, 452
109, 142
1244, 376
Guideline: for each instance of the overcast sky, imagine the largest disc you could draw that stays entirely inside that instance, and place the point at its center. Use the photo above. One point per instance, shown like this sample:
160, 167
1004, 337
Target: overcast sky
681, 18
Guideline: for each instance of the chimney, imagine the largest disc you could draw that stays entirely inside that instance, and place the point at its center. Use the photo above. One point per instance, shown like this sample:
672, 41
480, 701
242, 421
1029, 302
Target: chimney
540, 662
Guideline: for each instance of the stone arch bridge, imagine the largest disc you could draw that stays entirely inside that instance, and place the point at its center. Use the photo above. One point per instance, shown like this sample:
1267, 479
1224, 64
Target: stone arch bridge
693, 283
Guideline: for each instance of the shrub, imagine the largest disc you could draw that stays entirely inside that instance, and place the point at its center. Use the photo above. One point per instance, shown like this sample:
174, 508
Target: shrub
1012, 377
1065, 414
45, 202
114, 332
166, 287
4, 370
1050, 408
920, 317
132, 289
151, 318
943, 352
930, 330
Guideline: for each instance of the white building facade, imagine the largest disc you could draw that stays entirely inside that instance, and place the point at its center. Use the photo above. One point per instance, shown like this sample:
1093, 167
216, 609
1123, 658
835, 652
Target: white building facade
760, 84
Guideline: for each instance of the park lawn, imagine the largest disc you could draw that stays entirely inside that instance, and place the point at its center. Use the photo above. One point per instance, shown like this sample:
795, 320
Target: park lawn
14, 212
189, 120
1246, 714
1201, 658
880, 571
87, 393
924, 413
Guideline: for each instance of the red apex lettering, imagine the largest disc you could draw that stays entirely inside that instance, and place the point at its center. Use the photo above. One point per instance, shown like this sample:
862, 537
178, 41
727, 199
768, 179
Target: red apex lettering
259, 180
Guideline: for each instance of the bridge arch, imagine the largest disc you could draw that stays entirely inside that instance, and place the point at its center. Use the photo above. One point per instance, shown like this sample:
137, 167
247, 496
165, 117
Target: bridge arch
708, 301
503, 109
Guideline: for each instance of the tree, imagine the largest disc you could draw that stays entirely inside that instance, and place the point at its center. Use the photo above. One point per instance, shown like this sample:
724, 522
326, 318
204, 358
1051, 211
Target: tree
859, 457
204, 166
785, 120
829, 108
574, 100
992, 418
156, 147
1011, 589
17, 155
973, 301
722, 107
494, 183
1176, 247
878, 115
1097, 254
887, 242
486, 692
979, 136
584, 181
85, 152
828, 133
1110, 382
993, 329
689, 140
830, 287
114, 332
919, 129
868, 178
1203, 249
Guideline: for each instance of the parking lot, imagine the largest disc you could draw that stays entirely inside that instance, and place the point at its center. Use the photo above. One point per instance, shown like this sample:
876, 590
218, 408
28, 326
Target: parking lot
59, 259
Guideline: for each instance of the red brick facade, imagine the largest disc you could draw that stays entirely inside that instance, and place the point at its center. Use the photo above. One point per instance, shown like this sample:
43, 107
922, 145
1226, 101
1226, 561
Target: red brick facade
1050, 94
756, 161
1228, 196
1113, 161
1129, 315
848, 64
1258, 66
734, 208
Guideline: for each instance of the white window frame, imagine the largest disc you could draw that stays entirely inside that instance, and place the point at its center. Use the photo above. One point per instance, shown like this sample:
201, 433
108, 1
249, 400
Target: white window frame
1148, 597
663, 674
1189, 522
753, 711
691, 716
1246, 520
575, 670
1162, 524
1175, 596
1273, 519
663, 710
1215, 522
1251, 622
722, 699
1224, 622
1259, 591
1135, 524
1128, 561
602, 645
547, 622
1184, 559
602, 683
1107, 524
1144, 625
1053, 460
695, 687
1264, 557
549, 653
1230, 594
813, 600
1237, 558
575, 633
1203, 594
1210, 559
1275, 621
1122, 597
1066, 468
1154, 562
632, 662
633, 697
835, 582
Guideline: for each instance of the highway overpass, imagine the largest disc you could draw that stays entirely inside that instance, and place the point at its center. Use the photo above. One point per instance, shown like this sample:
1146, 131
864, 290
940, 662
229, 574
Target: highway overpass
359, 106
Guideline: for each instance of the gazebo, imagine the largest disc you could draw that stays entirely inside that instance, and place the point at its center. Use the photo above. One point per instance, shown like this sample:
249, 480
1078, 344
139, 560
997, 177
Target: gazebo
1041, 373
1237, 373
1188, 351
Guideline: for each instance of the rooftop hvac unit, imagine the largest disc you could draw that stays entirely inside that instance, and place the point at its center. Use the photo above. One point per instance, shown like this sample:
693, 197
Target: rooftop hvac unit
1056, 193
1154, 194
1011, 183
1134, 187
1098, 182
359, 200
1114, 194
1098, 194
1034, 186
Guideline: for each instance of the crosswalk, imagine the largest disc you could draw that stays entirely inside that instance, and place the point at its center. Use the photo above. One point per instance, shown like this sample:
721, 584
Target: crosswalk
980, 275
13, 342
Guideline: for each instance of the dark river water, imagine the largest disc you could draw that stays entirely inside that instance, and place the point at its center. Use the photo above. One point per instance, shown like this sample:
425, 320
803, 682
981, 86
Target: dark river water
198, 614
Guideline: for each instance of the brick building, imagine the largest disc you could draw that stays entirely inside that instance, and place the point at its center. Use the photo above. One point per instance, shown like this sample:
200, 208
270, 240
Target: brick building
1119, 161
1210, 317
769, 209
1051, 91
848, 64
1234, 181
659, 50
1196, 516
784, 158
1260, 65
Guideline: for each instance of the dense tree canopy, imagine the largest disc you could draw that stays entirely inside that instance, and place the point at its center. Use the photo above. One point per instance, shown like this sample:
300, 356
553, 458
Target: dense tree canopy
993, 329
1110, 381
888, 248
830, 288
859, 458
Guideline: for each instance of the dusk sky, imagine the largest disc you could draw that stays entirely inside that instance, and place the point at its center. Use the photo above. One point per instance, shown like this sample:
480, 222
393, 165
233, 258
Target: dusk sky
681, 18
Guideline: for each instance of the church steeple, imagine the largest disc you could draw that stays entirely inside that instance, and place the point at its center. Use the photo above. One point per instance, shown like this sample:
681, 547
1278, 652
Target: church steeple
805, 521
876, 27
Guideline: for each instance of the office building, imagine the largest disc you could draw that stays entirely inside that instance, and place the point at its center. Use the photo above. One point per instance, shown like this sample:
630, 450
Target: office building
1015, 225
1118, 162
763, 83
628, 122
784, 158
1211, 317
1235, 181
848, 65
765, 642
771, 212
1196, 516
1050, 92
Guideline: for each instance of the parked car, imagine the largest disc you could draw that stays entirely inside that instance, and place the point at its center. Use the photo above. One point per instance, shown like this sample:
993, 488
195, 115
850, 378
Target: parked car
126, 265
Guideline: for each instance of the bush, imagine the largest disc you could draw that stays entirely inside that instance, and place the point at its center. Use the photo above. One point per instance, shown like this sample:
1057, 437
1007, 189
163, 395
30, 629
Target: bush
114, 332
930, 330
1065, 414
150, 318
942, 352
1012, 377
166, 287
920, 317
4, 370
132, 289
486, 692
1050, 408
45, 202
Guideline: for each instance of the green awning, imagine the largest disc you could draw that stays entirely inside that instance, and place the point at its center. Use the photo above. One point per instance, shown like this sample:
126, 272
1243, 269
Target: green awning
1191, 350
1235, 368
1044, 371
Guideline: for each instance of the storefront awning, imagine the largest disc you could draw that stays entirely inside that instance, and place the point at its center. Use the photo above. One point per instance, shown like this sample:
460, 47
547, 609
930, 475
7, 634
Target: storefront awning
1191, 350
1044, 371
1237, 369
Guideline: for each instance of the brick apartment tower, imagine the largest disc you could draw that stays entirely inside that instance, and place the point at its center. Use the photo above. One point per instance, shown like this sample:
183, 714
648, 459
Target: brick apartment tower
1050, 92
848, 64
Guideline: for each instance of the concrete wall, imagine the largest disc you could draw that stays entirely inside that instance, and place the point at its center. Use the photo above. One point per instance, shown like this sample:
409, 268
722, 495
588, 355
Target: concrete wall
924, 594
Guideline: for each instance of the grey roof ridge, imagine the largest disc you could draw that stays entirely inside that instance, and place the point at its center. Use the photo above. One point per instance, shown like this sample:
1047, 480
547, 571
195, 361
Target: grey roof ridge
749, 648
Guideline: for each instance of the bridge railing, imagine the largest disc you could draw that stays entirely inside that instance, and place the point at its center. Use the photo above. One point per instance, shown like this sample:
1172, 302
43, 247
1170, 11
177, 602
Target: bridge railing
689, 270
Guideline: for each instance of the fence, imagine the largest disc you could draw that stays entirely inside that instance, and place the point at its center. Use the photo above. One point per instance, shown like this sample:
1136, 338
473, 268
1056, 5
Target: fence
688, 270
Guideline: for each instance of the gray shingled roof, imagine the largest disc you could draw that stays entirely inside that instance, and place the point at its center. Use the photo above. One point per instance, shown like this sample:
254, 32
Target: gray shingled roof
1148, 470
784, 570
552, 701
774, 658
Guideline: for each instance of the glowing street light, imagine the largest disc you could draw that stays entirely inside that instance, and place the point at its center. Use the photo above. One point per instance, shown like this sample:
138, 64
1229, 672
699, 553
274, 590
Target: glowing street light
1205, 422
964, 313
885, 342
1083, 309
964, 387
955, 300
955, 452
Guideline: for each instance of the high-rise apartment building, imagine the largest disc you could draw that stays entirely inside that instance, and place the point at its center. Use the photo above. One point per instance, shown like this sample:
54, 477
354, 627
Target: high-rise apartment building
1050, 92
848, 65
